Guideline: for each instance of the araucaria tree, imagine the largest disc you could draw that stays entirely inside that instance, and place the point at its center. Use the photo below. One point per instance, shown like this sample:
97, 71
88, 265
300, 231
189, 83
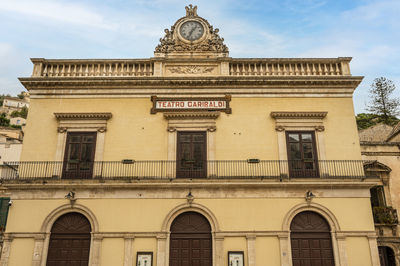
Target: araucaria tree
381, 103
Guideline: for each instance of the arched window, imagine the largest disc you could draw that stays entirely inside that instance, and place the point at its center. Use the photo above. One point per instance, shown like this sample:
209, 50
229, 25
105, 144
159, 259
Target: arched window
386, 256
69, 240
190, 240
311, 240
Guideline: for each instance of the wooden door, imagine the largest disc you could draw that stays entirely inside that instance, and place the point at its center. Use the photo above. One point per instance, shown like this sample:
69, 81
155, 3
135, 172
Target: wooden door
190, 241
191, 155
311, 240
79, 155
69, 241
302, 155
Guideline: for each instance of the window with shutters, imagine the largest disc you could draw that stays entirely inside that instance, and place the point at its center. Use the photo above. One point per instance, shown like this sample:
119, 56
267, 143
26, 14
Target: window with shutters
378, 197
302, 154
4, 205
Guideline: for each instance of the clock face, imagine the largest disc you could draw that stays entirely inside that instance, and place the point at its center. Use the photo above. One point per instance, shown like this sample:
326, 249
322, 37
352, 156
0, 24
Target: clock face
191, 30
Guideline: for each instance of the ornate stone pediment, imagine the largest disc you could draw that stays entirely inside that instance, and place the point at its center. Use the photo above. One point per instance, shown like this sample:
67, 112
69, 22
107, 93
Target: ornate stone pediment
198, 37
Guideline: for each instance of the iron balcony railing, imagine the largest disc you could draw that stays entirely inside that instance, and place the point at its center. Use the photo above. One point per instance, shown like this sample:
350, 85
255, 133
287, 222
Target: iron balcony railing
385, 215
233, 169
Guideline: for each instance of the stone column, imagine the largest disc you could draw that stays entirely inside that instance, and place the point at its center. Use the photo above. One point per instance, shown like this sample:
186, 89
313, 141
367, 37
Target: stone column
373, 247
5, 252
251, 249
171, 156
286, 258
341, 246
45, 250
161, 249
128, 254
95, 249
219, 251
38, 249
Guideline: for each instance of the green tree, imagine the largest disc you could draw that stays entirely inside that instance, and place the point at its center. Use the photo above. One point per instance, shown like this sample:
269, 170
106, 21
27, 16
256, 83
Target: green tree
4, 121
23, 113
381, 102
2, 98
365, 120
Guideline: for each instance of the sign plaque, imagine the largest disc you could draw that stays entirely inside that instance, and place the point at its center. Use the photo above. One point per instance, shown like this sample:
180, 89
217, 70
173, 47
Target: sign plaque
235, 258
144, 259
164, 104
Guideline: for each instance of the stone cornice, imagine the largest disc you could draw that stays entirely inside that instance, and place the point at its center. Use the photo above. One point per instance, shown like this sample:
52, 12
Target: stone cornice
176, 184
223, 81
83, 116
144, 86
192, 115
379, 143
298, 115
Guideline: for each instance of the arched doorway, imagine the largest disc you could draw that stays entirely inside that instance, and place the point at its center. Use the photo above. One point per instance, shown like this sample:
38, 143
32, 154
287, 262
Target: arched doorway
190, 241
69, 241
311, 240
386, 256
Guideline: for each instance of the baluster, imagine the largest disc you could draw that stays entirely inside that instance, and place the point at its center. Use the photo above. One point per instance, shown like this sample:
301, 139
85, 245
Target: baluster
45, 70
319, 69
116, 71
290, 69
51, 71
69, 70
134, 69
128, 69
261, 69
62, 70
267, 71
279, 69
337, 69
123, 69
139, 70
57, 71
313, 69
237, 69
273, 69
296, 69
80, 70
109, 69
326, 69
255, 69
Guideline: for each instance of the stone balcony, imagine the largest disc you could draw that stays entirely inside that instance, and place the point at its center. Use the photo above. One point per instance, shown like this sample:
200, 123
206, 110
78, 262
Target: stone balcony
158, 67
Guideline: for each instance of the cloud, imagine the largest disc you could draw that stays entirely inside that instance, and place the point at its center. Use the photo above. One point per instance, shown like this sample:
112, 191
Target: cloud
58, 11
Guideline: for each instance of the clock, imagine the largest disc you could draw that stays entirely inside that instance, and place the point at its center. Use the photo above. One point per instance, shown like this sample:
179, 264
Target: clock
191, 30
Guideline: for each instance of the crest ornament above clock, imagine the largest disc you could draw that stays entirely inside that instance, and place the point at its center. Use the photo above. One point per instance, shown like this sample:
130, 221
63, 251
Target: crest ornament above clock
192, 35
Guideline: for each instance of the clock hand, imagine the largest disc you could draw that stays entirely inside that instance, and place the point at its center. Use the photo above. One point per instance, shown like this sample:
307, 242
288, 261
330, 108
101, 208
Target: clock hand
190, 33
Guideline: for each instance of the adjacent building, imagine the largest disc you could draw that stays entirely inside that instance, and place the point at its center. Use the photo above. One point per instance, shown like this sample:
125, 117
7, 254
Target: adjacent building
380, 148
190, 157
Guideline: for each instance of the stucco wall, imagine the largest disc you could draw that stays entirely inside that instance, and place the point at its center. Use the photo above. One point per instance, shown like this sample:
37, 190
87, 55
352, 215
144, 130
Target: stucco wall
249, 132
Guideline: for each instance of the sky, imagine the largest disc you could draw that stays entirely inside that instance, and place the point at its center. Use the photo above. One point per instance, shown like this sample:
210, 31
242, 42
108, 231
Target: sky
367, 30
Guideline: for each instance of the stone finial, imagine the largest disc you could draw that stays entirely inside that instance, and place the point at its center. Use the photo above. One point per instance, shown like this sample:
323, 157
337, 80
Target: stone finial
191, 11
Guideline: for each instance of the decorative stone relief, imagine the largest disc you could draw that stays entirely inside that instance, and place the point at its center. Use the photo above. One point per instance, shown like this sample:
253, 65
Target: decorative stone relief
191, 69
61, 129
212, 128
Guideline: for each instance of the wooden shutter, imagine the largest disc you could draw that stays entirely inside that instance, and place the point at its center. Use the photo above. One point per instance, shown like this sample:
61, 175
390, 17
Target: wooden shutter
3, 212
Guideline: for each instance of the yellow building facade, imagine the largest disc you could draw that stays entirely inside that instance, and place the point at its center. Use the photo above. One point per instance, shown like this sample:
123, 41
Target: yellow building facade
190, 157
